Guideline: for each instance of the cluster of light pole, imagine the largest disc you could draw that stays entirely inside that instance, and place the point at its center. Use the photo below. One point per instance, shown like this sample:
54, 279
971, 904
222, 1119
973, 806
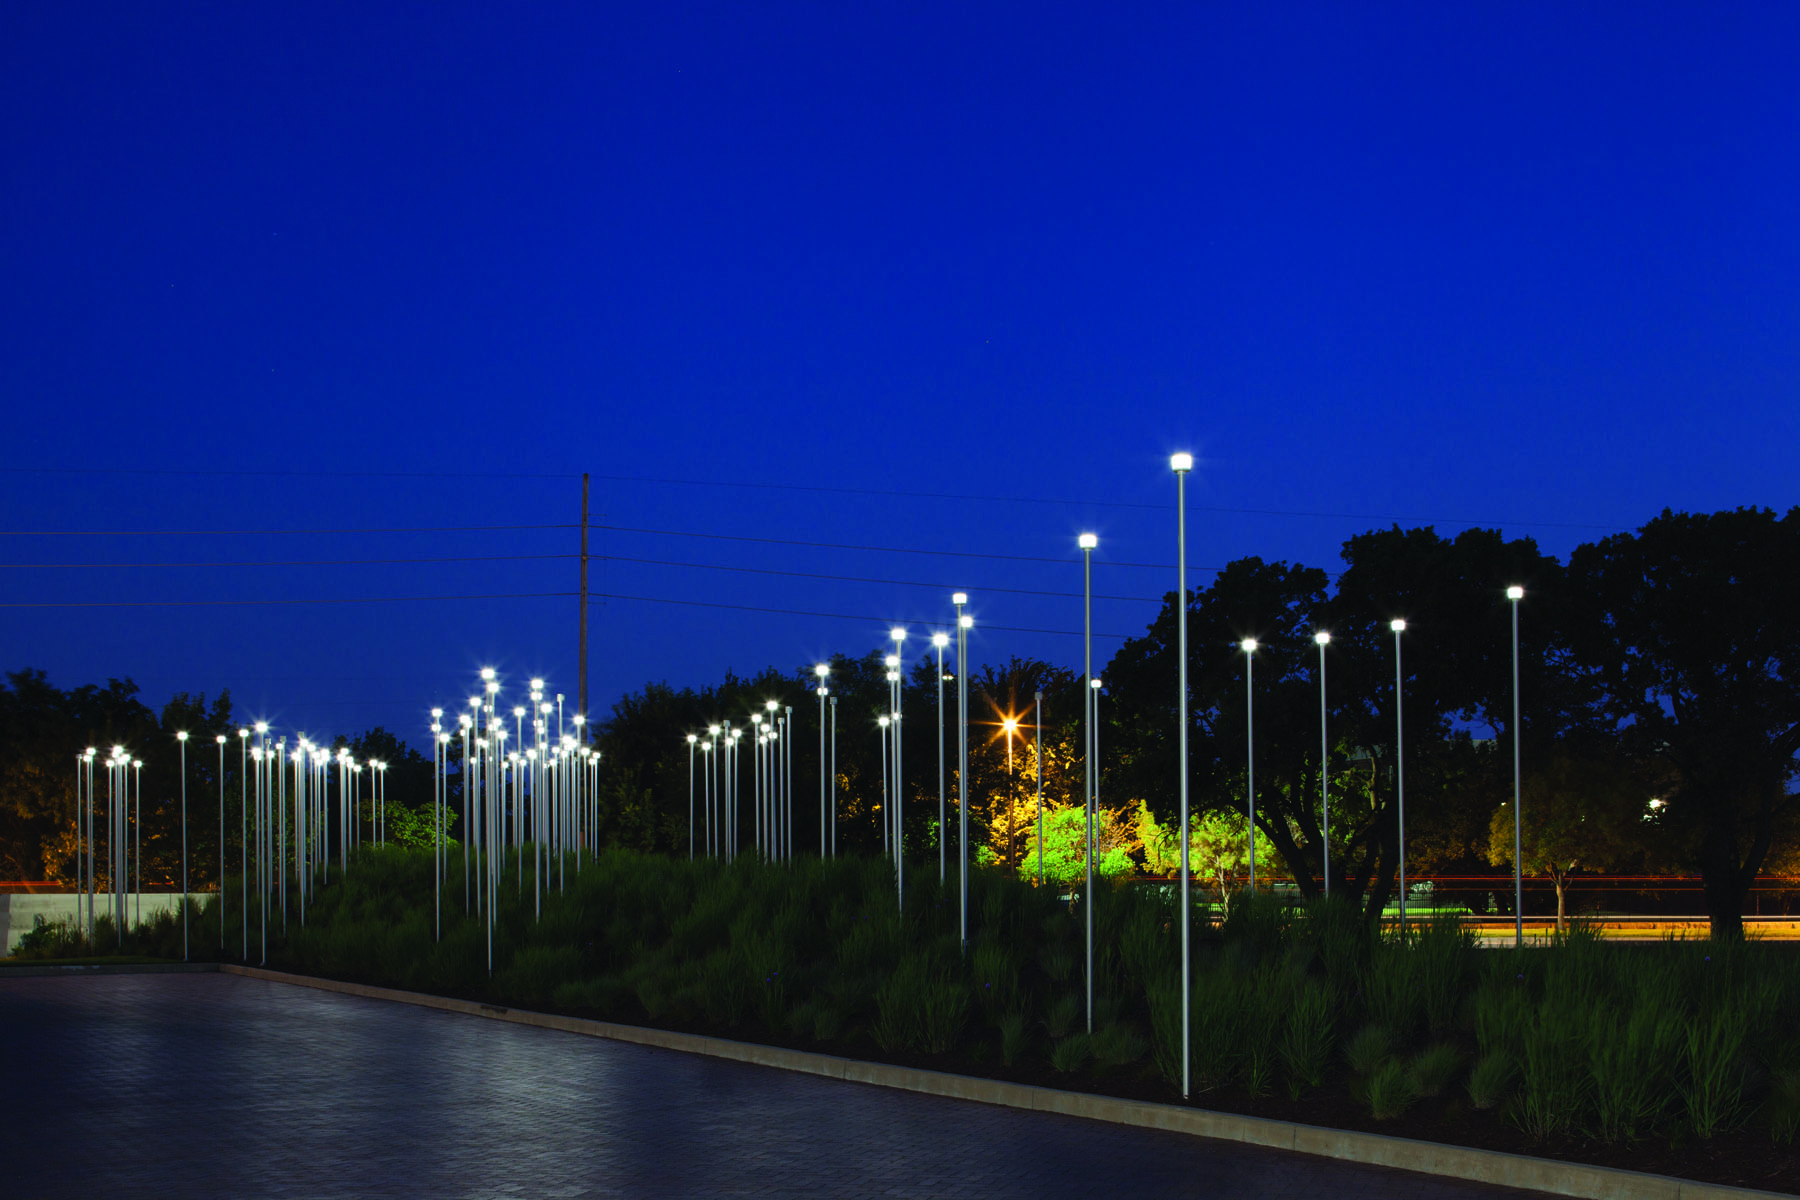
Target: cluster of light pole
541, 796
714, 785
123, 824
546, 795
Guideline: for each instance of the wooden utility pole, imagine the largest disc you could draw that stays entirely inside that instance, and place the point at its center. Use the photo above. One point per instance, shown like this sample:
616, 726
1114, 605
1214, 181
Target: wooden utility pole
582, 698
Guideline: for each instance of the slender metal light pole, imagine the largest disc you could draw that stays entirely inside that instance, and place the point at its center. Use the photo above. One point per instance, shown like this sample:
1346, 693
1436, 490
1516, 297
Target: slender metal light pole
715, 812
85, 865
728, 832
886, 778
939, 641
244, 839
691, 739
899, 636
1038, 724
787, 760
220, 740
774, 780
708, 756
1399, 627
1009, 726
834, 701
1249, 645
1516, 594
1087, 542
137, 770
822, 671
80, 798
963, 623
437, 822
1181, 464
182, 737
887, 812
1323, 640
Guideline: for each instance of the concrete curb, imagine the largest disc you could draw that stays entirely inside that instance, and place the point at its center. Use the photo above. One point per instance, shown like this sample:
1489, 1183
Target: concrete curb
1430, 1158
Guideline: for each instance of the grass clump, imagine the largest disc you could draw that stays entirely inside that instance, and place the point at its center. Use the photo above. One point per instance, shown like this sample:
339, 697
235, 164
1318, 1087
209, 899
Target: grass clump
1491, 1082
1372, 1046
1072, 1053
1307, 1039
1435, 1067
1391, 1090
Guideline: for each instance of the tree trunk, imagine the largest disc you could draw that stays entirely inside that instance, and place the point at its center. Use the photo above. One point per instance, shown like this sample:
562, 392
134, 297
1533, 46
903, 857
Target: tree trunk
1724, 880
1724, 904
1559, 879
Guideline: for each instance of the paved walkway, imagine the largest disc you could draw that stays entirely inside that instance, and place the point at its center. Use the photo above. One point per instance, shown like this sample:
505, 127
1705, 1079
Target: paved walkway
214, 1085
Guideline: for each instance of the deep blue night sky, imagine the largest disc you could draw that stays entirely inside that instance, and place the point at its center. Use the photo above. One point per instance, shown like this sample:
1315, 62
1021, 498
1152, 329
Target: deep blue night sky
405, 266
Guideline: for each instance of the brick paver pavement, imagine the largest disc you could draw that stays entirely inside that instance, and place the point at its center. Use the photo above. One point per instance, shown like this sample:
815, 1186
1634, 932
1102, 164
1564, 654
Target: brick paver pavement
215, 1085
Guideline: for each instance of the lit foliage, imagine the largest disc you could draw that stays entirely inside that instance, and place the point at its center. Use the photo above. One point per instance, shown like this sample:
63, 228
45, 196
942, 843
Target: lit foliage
1065, 845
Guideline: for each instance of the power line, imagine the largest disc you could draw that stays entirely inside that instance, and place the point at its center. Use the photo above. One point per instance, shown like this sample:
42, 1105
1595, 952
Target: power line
944, 587
818, 489
303, 562
860, 617
283, 602
652, 562
270, 532
793, 612
730, 537
225, 474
